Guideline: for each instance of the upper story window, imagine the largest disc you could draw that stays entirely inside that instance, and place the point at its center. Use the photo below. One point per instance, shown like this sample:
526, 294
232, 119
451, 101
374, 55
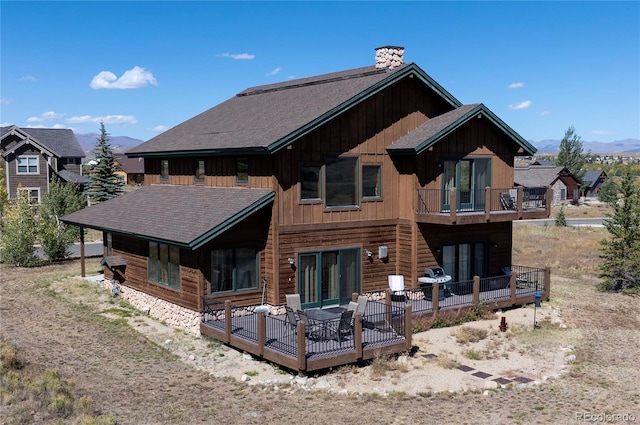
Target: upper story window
310, 183
342, 182
198, 174
28, 164
242, 170
72, 161
371, 182
164, 169
163, 264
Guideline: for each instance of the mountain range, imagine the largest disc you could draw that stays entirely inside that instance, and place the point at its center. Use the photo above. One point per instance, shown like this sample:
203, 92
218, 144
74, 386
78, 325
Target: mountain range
121, 144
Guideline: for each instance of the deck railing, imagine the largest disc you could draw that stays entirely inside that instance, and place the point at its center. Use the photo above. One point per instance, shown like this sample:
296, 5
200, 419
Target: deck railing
488, 200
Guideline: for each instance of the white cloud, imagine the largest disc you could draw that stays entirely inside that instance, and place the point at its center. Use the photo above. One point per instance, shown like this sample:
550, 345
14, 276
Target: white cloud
6, 124
545, 113
48, 126
275, 71
516, 85
134, 78
236, 56
4, 101
107, 119
600, 132
159, 128
27, 79
51, 115
521, 105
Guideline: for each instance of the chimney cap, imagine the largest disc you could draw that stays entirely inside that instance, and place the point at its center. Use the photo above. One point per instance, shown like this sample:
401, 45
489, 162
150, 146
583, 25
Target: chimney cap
389, 47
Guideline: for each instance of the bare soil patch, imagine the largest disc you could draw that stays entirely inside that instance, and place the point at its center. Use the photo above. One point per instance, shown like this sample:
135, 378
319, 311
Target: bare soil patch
144, 373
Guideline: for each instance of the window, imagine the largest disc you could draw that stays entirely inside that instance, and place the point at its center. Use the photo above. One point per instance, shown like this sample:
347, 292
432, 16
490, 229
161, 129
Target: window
310, 186
233, 269
70, 161
199, 170
32, 192
328, 277
465, 260
164, 264
469, 177
164, 169
342, 182
371, 181
109, 239
242, 170
28, 165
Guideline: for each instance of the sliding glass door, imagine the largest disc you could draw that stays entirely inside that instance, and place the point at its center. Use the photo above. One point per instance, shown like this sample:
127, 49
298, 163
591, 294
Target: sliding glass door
469, 177
464, 260
328, 277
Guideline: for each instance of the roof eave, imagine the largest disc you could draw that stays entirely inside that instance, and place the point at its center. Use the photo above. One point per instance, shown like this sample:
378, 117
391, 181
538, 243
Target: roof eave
201, 152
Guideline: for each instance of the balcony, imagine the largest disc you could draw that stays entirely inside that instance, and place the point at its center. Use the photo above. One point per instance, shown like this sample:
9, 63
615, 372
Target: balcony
488, 205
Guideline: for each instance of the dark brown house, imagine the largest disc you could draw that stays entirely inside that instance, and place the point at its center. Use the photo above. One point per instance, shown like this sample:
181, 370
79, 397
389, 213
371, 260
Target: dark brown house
34, 156
322, 186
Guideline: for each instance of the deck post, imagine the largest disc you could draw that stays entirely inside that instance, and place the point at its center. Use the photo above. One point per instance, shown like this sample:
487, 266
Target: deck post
301, 348
227, 321
262, 332
547, 283
519, 199
512, 288
548, 200
387, 307
408, 326
453, 204
476, 290
83, 272
357, 334
435, 299
487, 203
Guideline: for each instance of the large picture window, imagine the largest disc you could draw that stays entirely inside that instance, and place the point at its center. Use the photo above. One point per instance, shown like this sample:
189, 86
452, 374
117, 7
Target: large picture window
233, 269
28, 165
163, 264
310, 183
342, 182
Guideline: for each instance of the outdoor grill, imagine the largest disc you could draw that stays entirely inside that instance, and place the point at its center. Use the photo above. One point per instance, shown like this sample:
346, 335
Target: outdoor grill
434, 275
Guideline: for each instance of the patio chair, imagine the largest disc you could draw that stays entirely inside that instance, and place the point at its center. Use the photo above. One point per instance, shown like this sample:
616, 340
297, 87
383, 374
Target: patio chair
507, 201
311, 329
396, 286
342, 328
293, 301
352, 306
290, 317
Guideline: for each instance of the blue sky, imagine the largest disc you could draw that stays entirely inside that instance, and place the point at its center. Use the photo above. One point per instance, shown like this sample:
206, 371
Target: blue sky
144, 67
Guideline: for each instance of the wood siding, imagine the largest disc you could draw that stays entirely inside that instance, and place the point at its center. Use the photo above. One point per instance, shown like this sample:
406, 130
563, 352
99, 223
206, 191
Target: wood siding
15, 180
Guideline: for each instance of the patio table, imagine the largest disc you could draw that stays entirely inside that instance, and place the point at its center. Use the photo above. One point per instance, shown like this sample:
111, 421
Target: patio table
323, 317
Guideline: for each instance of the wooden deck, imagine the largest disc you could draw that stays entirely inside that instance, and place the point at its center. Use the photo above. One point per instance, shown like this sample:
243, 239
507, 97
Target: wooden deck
385, 328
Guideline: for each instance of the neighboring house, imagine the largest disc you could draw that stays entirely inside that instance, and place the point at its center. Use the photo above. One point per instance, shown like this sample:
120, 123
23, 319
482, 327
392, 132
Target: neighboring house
322, 186
564, 185
34, 156
592, 182
131, 169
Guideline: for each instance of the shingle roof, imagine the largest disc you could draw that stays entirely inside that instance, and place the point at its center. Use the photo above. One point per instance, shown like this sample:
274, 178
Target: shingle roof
438, 127
130, 165
267, 118
187, 216
70, 176
61, 141
536, 175
591, 177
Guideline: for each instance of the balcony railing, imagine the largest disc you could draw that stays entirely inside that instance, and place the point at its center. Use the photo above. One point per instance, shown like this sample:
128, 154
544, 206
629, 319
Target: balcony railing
482, 205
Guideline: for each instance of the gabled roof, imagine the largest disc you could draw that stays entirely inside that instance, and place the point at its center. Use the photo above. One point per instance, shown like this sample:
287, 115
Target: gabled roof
185, 216
69, 176
591, 177
438, 127
59, 142
267, 118
130, 165
539, 175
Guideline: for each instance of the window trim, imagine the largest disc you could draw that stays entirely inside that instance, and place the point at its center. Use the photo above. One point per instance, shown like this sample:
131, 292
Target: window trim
320, 185
173, 265
27, 158
164, 178
234, 275
28, 190
379, 183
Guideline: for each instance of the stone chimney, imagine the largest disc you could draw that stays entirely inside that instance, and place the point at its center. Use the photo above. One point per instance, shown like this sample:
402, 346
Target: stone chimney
389, 57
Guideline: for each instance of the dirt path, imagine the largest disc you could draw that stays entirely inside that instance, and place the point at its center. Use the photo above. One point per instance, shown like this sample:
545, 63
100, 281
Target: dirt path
128, 375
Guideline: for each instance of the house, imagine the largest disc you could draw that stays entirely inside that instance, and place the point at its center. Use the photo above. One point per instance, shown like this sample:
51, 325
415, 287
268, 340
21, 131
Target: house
592, 182
565, 186
34, 156
322, 186
130, 170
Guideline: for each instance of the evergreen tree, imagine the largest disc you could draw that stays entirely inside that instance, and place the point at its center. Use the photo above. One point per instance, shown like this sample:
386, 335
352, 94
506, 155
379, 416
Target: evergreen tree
620, 269
104, 184
56, 236
570, 155
561, 219
608, 191
18, 232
